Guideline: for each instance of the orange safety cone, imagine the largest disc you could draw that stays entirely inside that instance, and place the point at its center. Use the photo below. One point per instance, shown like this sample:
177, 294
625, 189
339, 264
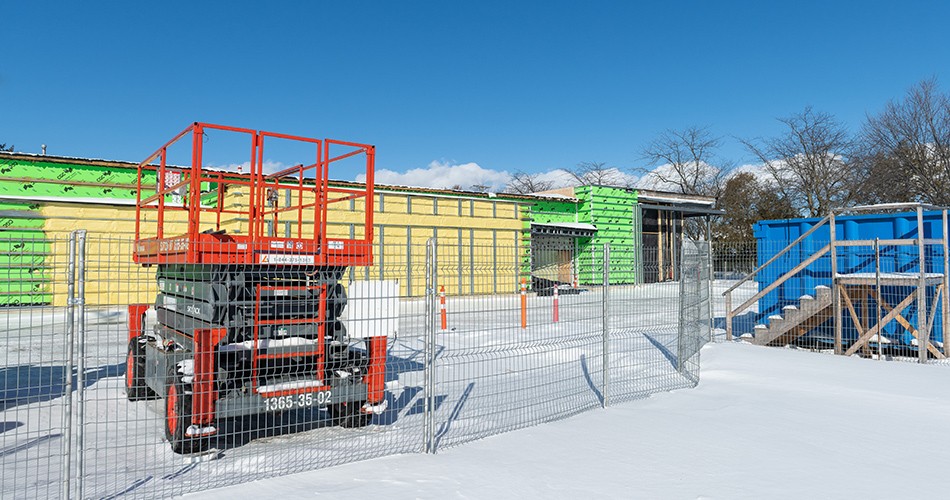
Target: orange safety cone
445, 321
524, 303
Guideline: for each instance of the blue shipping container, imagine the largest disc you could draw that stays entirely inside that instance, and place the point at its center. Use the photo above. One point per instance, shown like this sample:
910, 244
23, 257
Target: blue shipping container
772, 236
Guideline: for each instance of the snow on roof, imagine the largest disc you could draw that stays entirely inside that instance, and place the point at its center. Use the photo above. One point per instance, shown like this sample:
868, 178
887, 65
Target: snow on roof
672, 198
567, 225
892, 206
555, 196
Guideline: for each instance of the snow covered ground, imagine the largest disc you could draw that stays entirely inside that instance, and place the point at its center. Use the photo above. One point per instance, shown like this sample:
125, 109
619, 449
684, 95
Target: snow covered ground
763, 423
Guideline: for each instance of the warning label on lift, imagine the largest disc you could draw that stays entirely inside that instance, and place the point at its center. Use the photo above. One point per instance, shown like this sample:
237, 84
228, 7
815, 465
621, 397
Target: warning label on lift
283, 258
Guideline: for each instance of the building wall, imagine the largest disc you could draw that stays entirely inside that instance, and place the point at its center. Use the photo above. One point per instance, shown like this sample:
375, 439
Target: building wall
614, 212
553, 257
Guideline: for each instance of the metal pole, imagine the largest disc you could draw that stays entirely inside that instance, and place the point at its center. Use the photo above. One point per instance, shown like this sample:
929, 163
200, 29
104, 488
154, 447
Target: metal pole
81, 371
429, 343
709, 274
923, 332
836, 297
606, 324
877, 286
944, 322
66, 472
680, 324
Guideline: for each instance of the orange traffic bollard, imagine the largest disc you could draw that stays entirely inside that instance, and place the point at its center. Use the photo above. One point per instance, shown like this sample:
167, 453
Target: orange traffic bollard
445, 321
555, 305
524, 303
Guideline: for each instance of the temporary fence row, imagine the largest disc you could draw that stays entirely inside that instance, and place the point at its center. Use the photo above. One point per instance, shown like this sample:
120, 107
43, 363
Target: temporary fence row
124, 380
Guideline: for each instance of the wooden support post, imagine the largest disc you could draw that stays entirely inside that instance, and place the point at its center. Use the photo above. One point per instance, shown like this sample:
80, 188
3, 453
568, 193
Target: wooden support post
866, 313
906, 324
872, 331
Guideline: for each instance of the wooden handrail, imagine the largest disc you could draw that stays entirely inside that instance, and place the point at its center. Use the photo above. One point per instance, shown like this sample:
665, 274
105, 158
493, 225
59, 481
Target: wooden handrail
793, 271
776, 256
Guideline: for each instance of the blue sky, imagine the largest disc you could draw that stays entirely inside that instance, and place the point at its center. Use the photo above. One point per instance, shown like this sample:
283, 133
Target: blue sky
531, 86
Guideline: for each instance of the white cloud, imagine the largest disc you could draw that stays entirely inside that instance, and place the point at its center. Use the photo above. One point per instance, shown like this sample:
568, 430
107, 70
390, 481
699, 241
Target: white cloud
759, 171
443, 175
558, 178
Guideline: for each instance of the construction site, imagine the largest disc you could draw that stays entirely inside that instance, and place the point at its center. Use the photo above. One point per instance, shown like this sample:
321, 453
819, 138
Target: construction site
176, 326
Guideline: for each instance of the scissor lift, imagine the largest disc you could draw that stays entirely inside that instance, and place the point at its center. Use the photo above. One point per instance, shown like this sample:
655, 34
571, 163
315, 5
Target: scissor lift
249, 321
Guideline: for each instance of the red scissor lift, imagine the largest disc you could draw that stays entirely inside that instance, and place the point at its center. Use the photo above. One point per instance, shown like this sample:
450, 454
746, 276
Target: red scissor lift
248, 319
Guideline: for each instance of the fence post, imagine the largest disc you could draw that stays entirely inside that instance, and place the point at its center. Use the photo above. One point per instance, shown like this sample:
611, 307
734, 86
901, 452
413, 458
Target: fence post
81, 355
836, 297
67, 451
711, 272
877, 302
606, 324
923, 329
429, 343
944, 323
680, 324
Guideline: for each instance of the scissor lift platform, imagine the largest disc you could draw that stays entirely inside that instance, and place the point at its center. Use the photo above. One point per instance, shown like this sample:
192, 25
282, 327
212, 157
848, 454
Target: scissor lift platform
249, 321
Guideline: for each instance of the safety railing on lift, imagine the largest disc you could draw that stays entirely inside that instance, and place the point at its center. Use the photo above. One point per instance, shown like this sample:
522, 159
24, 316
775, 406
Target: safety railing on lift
197, 189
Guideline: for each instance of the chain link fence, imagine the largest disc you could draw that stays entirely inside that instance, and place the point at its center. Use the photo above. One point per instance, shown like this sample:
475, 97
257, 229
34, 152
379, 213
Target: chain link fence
105, 373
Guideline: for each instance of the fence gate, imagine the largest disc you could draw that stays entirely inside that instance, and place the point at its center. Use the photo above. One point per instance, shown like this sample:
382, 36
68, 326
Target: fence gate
695, 327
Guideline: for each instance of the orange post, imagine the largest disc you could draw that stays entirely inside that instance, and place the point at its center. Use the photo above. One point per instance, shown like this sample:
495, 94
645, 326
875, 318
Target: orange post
524, 303
575, 280
555, 305
445, 323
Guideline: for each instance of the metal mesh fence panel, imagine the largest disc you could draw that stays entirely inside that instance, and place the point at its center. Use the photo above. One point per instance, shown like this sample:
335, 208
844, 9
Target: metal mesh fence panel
37, 375
155, 381
518, 357
646, 323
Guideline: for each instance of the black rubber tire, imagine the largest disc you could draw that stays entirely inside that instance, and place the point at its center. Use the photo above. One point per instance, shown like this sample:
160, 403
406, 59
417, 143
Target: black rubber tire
135, 387
349, 415
178, 412
336, 300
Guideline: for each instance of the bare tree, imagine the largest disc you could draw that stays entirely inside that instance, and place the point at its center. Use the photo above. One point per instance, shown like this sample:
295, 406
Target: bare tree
598, 174
525, 183
685, 161
811, 162
909, 147
745, 201
4, 147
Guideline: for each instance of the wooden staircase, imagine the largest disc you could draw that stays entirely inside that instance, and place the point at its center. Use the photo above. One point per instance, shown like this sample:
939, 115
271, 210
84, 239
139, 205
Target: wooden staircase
835, 301
795, 321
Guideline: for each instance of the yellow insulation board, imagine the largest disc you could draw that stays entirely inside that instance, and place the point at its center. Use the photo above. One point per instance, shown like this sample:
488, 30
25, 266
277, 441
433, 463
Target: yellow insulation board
113, 279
